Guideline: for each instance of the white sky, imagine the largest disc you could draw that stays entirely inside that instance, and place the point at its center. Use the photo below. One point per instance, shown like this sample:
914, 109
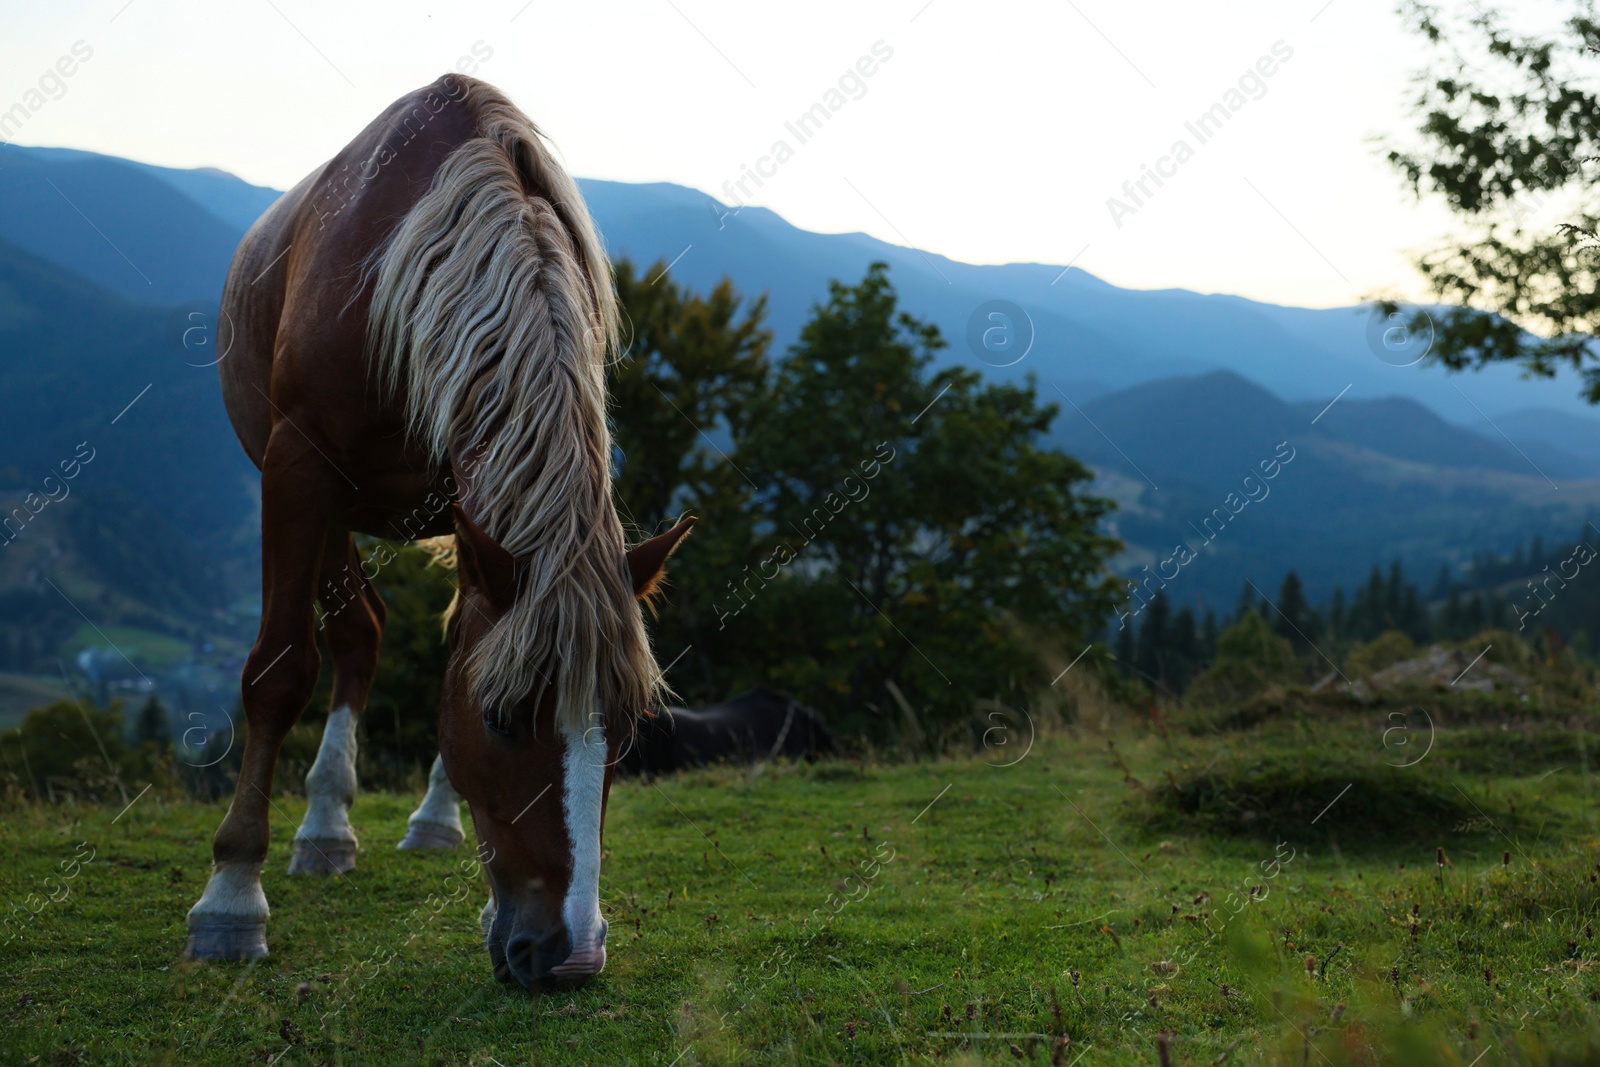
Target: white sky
995, 133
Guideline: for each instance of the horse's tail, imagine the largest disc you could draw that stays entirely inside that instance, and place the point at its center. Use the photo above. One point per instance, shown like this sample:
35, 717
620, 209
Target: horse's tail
492, 314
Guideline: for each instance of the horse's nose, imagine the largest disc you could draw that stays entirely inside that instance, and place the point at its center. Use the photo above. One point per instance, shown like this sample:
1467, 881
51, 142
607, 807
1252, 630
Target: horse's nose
531, 957
580, 966
582, 961
551, 960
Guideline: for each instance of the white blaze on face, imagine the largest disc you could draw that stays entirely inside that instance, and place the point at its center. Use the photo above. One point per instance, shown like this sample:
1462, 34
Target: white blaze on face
584, 772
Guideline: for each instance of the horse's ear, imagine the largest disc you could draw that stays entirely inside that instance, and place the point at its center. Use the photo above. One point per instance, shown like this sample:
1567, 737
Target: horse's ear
648, 559
481, 561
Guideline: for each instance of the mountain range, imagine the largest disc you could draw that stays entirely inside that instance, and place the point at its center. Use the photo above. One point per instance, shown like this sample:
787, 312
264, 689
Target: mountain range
1172, 396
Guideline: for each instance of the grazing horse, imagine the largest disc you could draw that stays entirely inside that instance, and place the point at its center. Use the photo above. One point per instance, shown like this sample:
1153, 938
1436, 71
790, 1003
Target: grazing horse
416, 338
752, 726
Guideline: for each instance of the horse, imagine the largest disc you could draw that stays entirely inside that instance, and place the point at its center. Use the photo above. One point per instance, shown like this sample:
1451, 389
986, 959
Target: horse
755, 725
416, 341
752, 726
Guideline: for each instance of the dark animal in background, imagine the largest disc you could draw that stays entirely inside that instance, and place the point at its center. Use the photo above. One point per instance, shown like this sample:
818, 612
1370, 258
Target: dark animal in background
754, 726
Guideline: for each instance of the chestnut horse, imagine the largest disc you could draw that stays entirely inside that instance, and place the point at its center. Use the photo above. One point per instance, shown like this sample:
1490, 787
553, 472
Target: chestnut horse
416, 341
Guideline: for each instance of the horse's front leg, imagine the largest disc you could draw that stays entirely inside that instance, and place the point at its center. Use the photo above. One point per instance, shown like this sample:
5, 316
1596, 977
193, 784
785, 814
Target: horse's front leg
229, 921
352, 617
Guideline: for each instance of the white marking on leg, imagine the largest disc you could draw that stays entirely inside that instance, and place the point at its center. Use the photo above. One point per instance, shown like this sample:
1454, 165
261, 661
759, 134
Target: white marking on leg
331, 783
584, 772
442, 805
229, 921
232, 895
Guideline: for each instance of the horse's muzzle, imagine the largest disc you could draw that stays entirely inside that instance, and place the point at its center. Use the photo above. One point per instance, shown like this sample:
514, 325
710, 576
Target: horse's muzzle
548, 962
580, 966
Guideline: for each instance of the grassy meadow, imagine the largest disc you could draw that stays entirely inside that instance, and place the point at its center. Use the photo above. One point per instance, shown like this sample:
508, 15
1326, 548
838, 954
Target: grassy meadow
1260, 889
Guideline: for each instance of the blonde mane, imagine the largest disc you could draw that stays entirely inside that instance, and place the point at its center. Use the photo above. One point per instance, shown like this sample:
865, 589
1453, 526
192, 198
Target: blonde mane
492, 314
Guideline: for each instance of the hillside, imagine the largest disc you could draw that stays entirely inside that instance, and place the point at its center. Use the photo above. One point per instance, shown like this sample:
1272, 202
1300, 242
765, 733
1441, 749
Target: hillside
1088, 333
1193, 389
1369, 482
1086, 330
128, 504
871, 913
121, 380
118, 226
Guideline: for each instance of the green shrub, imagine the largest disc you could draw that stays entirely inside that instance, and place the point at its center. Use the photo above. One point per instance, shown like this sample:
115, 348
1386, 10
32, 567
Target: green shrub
70, 748
1284, 792
1250, 659
1385, 650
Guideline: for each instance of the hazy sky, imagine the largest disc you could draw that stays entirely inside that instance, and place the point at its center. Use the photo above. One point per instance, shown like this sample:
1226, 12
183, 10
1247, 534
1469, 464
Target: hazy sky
993, 132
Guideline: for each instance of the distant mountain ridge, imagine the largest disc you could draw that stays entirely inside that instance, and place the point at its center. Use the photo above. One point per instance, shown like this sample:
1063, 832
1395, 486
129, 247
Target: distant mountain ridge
1405, 429
115, 225
1170, 388
1351, 497
179, 227
230, 199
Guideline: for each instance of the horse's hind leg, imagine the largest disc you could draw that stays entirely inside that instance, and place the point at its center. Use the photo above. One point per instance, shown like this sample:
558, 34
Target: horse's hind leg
353, 617
229, 922
437, 821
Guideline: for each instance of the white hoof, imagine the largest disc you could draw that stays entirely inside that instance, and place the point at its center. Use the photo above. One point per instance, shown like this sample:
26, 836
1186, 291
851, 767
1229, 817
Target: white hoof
213, 940
325, 856
229, 922
431, 835
437, 821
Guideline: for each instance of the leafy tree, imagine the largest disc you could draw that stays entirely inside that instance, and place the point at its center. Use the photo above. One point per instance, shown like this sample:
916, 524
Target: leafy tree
1506, 120
692, 366
864, 519
1251, 641
1385, 650
913, 527
692, 363
1250, 657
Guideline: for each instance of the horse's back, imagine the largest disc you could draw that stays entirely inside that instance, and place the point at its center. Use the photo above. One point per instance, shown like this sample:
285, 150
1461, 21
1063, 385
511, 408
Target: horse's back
294, 308
248, 324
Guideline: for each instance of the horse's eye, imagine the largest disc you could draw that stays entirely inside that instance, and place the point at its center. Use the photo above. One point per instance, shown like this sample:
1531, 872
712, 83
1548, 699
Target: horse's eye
495, 726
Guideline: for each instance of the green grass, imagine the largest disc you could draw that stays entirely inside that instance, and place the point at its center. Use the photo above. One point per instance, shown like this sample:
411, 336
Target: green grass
1081, 873
145, 646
